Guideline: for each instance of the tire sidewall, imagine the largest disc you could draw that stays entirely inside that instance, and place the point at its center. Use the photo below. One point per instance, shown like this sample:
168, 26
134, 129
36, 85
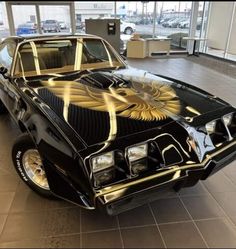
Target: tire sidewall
20, 147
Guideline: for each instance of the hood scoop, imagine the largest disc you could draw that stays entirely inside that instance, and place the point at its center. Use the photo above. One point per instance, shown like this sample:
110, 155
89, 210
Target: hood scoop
103, 80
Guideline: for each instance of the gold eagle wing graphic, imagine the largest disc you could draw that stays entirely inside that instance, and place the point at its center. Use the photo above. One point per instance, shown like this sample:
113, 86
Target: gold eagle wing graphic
147, 102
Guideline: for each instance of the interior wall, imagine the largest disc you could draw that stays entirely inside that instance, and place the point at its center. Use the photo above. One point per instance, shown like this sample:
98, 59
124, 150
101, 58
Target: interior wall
232, 41
220, 17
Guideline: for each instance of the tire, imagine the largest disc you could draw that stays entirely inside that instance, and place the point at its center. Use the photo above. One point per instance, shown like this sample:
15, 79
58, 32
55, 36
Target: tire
23, 150
3, 109
129, 31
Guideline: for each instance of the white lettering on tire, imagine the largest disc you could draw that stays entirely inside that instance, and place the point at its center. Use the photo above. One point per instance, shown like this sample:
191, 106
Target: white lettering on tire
18, 163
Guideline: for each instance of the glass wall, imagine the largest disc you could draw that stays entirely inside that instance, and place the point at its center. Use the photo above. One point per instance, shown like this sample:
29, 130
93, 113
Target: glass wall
173, 21
92, 10
221, 30
25, 21
55, 19
4, 27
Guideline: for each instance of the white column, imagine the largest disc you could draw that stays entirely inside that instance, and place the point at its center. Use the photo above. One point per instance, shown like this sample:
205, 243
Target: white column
38, 19
115, 9
154, 19
193, 24
72, 17
10, 19
230, 29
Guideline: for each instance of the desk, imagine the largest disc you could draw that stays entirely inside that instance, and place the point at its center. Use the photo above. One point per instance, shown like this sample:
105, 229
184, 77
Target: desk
136, 48
195, 39
159, 44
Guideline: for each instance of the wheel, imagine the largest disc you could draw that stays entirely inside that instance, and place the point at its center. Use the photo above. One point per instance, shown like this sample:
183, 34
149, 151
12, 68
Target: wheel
3, 109
28, 164
128, 31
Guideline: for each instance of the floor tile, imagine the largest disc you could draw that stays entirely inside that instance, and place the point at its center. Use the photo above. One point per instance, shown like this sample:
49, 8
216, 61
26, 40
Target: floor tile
198, 189
27, 201
22, 226
227, 201
231, 175
92, 220
218, 233
182, 235
169, 210
62, 221
219, 183
142, 237
3, 218
9, 183
106, 239
70, 241
6, 199
136, 217
230, 168
35, 243
59, 203
202, 207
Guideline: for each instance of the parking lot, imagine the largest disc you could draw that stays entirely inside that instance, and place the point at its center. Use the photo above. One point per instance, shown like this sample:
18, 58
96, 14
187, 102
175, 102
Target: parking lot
142, 29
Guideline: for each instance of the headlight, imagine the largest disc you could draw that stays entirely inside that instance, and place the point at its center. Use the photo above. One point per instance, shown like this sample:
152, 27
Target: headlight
102, 162
228, 119
210, 127
137, 152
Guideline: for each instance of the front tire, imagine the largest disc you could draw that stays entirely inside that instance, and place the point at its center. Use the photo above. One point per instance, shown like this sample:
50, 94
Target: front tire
128, 31
28, 164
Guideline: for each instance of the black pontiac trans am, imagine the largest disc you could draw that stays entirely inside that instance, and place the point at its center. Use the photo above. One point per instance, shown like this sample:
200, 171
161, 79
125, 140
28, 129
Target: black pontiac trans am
99, 133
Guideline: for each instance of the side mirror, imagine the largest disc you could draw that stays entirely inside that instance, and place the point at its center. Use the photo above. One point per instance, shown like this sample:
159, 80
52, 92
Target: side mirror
3, 71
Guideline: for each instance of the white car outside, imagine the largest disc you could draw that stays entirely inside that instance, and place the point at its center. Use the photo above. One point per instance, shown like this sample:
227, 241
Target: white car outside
127, 28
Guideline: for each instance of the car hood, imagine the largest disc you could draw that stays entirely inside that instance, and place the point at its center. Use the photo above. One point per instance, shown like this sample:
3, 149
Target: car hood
105, 105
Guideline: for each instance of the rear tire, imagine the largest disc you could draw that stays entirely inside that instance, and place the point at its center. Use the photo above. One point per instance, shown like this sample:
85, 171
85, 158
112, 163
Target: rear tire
28, 165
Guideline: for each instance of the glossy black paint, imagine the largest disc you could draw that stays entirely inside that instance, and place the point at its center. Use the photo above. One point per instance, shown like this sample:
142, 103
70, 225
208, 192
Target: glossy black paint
66, 146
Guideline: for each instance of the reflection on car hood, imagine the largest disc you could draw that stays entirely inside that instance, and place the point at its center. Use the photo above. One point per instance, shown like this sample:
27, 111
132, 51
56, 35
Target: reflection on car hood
104, 105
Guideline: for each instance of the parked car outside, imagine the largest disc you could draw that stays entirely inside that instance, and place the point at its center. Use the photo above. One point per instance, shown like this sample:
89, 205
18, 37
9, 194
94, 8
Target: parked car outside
175, 23
51, 26
166, 23
127, 28
63, 25
26, 28
100, 133
184, 24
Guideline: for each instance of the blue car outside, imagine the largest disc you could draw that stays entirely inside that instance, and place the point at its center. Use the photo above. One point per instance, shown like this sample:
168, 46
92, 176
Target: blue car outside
25, 29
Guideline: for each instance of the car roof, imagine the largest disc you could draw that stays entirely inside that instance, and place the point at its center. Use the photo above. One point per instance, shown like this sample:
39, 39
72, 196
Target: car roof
36, 37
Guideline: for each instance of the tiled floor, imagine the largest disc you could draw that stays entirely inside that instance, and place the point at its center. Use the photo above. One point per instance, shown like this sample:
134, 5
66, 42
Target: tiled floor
202, 216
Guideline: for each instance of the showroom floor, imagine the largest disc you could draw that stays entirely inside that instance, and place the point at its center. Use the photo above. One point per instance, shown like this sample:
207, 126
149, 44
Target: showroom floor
202, 216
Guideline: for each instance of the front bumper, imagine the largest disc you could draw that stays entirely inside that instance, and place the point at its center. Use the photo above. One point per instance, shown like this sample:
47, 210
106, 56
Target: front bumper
121, 197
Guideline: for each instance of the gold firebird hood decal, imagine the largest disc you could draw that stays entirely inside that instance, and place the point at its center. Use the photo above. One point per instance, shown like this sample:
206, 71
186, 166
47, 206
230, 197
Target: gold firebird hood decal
144, 101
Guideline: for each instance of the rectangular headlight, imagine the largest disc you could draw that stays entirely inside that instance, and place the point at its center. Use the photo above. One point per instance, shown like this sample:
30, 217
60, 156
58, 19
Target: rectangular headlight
137, 152
210, 127
103, 161
228, 118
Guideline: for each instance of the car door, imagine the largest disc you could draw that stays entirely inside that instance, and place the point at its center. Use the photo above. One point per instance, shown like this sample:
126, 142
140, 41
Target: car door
7, 49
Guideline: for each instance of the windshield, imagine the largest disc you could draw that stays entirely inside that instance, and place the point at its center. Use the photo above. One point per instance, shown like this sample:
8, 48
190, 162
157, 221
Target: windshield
60, 56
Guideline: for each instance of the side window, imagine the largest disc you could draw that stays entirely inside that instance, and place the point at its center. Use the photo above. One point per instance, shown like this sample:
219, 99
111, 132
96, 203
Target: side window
96, 48
6, 54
